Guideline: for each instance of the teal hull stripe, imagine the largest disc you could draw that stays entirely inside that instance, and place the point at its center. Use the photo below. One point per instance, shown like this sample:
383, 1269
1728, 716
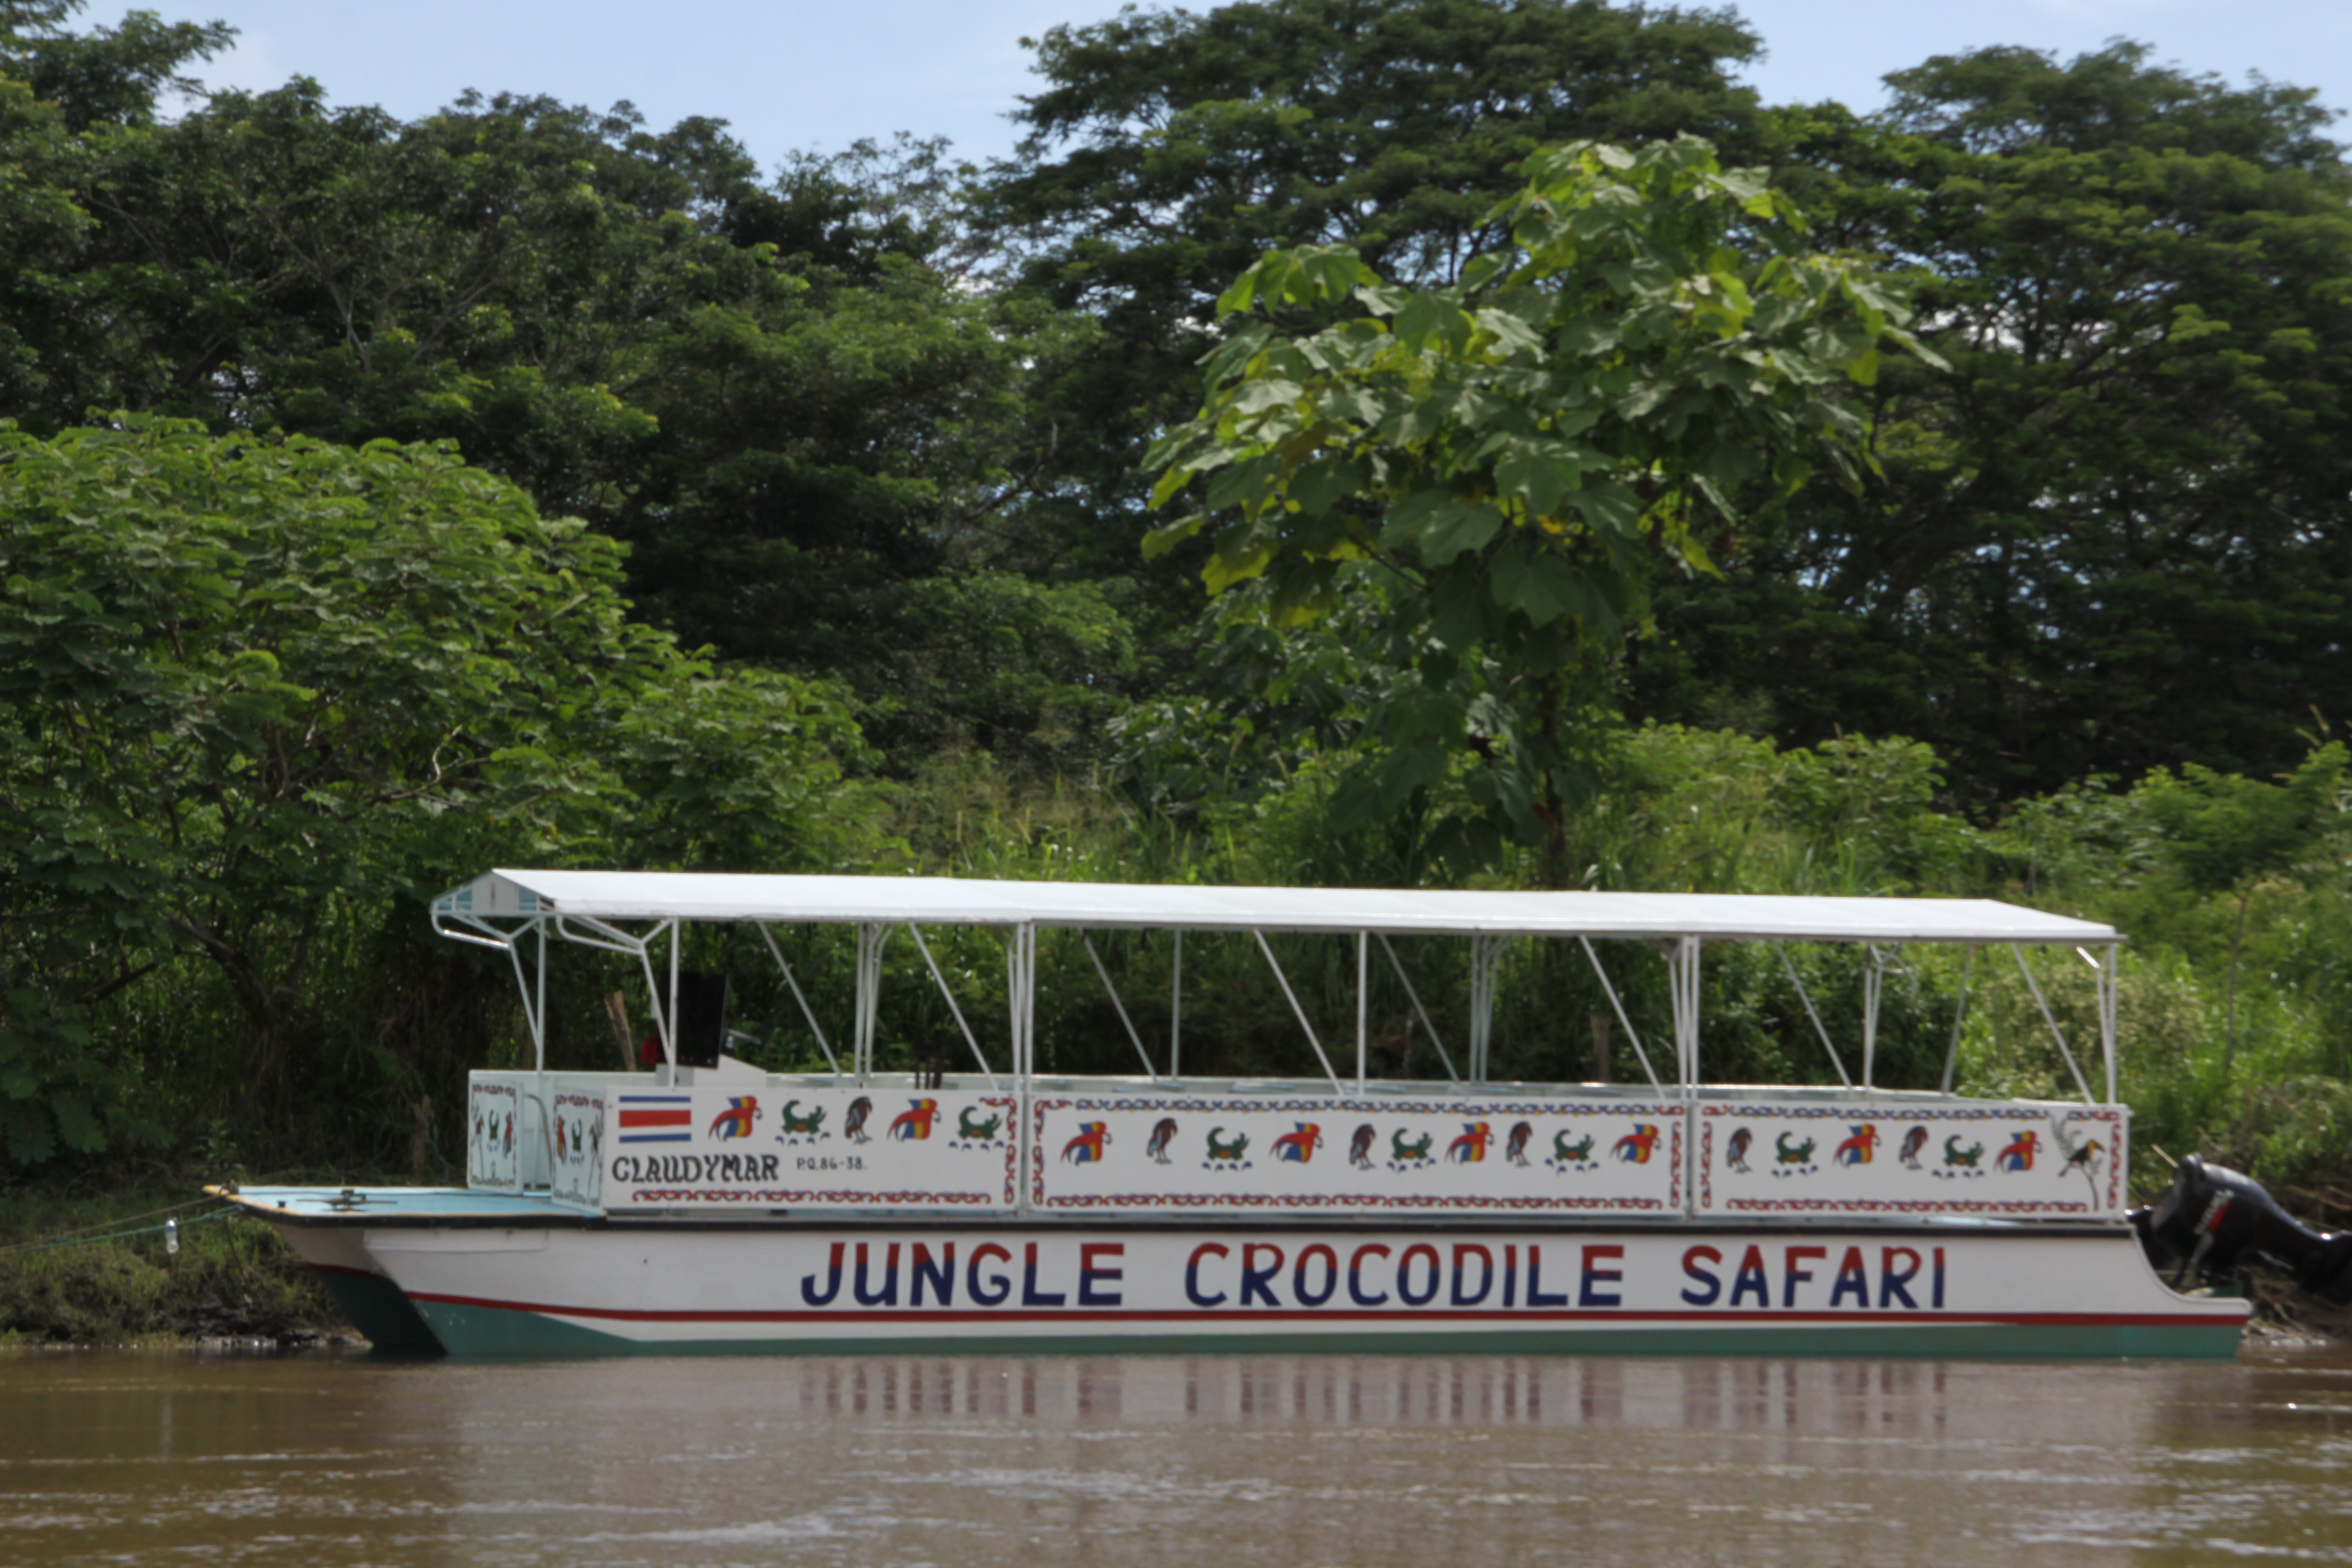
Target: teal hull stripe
484, 1329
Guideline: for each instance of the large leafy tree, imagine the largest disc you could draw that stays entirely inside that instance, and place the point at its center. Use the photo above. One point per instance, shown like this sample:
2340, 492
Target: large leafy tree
257, 689
1501, 463
1168, 149
2117, 537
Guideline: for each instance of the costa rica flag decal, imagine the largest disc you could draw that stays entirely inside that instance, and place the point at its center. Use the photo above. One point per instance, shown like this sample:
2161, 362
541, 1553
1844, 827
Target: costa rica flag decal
656, 1119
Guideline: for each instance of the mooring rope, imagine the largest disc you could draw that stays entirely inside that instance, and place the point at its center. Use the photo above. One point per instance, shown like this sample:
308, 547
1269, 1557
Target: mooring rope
83, 1238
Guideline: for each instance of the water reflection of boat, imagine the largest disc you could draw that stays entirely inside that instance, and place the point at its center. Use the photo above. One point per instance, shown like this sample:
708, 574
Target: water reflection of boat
708, 1205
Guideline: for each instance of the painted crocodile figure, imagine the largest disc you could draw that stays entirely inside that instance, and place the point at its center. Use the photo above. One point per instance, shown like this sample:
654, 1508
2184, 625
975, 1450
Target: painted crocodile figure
1405, 1151
794, 1122
1233, 1151
1569, 1153
1965, 1158
1788, 1154
974, 1128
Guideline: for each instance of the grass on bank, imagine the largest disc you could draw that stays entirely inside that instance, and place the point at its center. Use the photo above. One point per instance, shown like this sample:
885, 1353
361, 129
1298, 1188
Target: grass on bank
81, 1268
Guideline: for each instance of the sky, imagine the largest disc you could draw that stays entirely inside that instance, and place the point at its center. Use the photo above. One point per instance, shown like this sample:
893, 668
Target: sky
794, 74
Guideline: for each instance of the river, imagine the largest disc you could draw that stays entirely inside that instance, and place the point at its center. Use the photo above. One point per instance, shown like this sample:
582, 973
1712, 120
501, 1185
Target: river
326, 1458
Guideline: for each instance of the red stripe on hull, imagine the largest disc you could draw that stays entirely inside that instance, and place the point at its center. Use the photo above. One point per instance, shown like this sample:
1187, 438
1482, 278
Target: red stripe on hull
1260, 1315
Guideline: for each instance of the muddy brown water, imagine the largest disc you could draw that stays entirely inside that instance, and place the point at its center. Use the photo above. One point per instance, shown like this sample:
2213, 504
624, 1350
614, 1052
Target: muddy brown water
124, 1457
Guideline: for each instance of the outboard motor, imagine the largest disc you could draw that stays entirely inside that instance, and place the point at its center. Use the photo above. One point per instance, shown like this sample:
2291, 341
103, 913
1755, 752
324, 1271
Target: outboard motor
2213, 1219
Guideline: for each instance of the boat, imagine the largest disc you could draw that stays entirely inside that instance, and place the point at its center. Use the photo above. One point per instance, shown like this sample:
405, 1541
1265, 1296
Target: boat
701, 1204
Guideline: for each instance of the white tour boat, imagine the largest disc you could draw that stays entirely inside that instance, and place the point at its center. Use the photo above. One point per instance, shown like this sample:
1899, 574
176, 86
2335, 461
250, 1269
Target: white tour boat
708, 1205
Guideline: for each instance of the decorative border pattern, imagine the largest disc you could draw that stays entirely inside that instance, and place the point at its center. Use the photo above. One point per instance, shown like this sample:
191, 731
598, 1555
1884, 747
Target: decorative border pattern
1672, 1116
785, 1199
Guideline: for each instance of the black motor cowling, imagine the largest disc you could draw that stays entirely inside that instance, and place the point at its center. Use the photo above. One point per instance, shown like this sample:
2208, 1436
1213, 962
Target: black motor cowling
2213, 1220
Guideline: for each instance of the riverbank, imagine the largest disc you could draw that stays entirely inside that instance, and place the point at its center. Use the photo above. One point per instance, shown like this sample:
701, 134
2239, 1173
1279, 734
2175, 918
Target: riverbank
79, 1268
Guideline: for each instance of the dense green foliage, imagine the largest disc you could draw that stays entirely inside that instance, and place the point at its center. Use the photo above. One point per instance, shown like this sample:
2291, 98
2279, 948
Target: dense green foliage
1491, 466
380, 499
265, 696
2116, 536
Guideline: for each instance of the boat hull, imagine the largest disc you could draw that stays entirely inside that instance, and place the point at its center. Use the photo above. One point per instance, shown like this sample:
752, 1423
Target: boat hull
603, 1288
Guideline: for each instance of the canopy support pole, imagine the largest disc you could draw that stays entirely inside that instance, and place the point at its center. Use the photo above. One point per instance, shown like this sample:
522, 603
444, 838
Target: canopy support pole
1176, 1011
1363, 988
2055, 1032
539, 1011
1414, 996
1125, 1022
2110, 982
806, 1011
1818, 1029
678, 939
1959, 1017
1486, 958
1873, 980
1619, 1008
924, 948
870, 938
1284, 981
1682, 970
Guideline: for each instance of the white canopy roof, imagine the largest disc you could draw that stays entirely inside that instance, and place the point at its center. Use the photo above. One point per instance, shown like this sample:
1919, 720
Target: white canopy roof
945, 900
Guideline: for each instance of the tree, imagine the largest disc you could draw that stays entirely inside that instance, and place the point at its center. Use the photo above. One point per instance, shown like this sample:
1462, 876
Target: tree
806, 431
2117, 537
109, 76
254, 685
1169, 148
1502, 463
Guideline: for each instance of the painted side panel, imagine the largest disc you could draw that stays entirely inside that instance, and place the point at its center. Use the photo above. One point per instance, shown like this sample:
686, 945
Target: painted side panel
1018, 1286
757, 1147
495, 1131
577, 1110
1260, 1153
1863, 1157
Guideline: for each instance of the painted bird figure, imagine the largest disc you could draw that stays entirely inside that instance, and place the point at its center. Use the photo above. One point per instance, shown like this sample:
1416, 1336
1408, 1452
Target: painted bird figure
1635, 1147
1299, 1147
1163, 1134
854, 1127
1735, 1152
1087, 1148
1359, 1147
1516, 1145
915, 1123
1471, 1147
1913, 1142
1857, 1149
